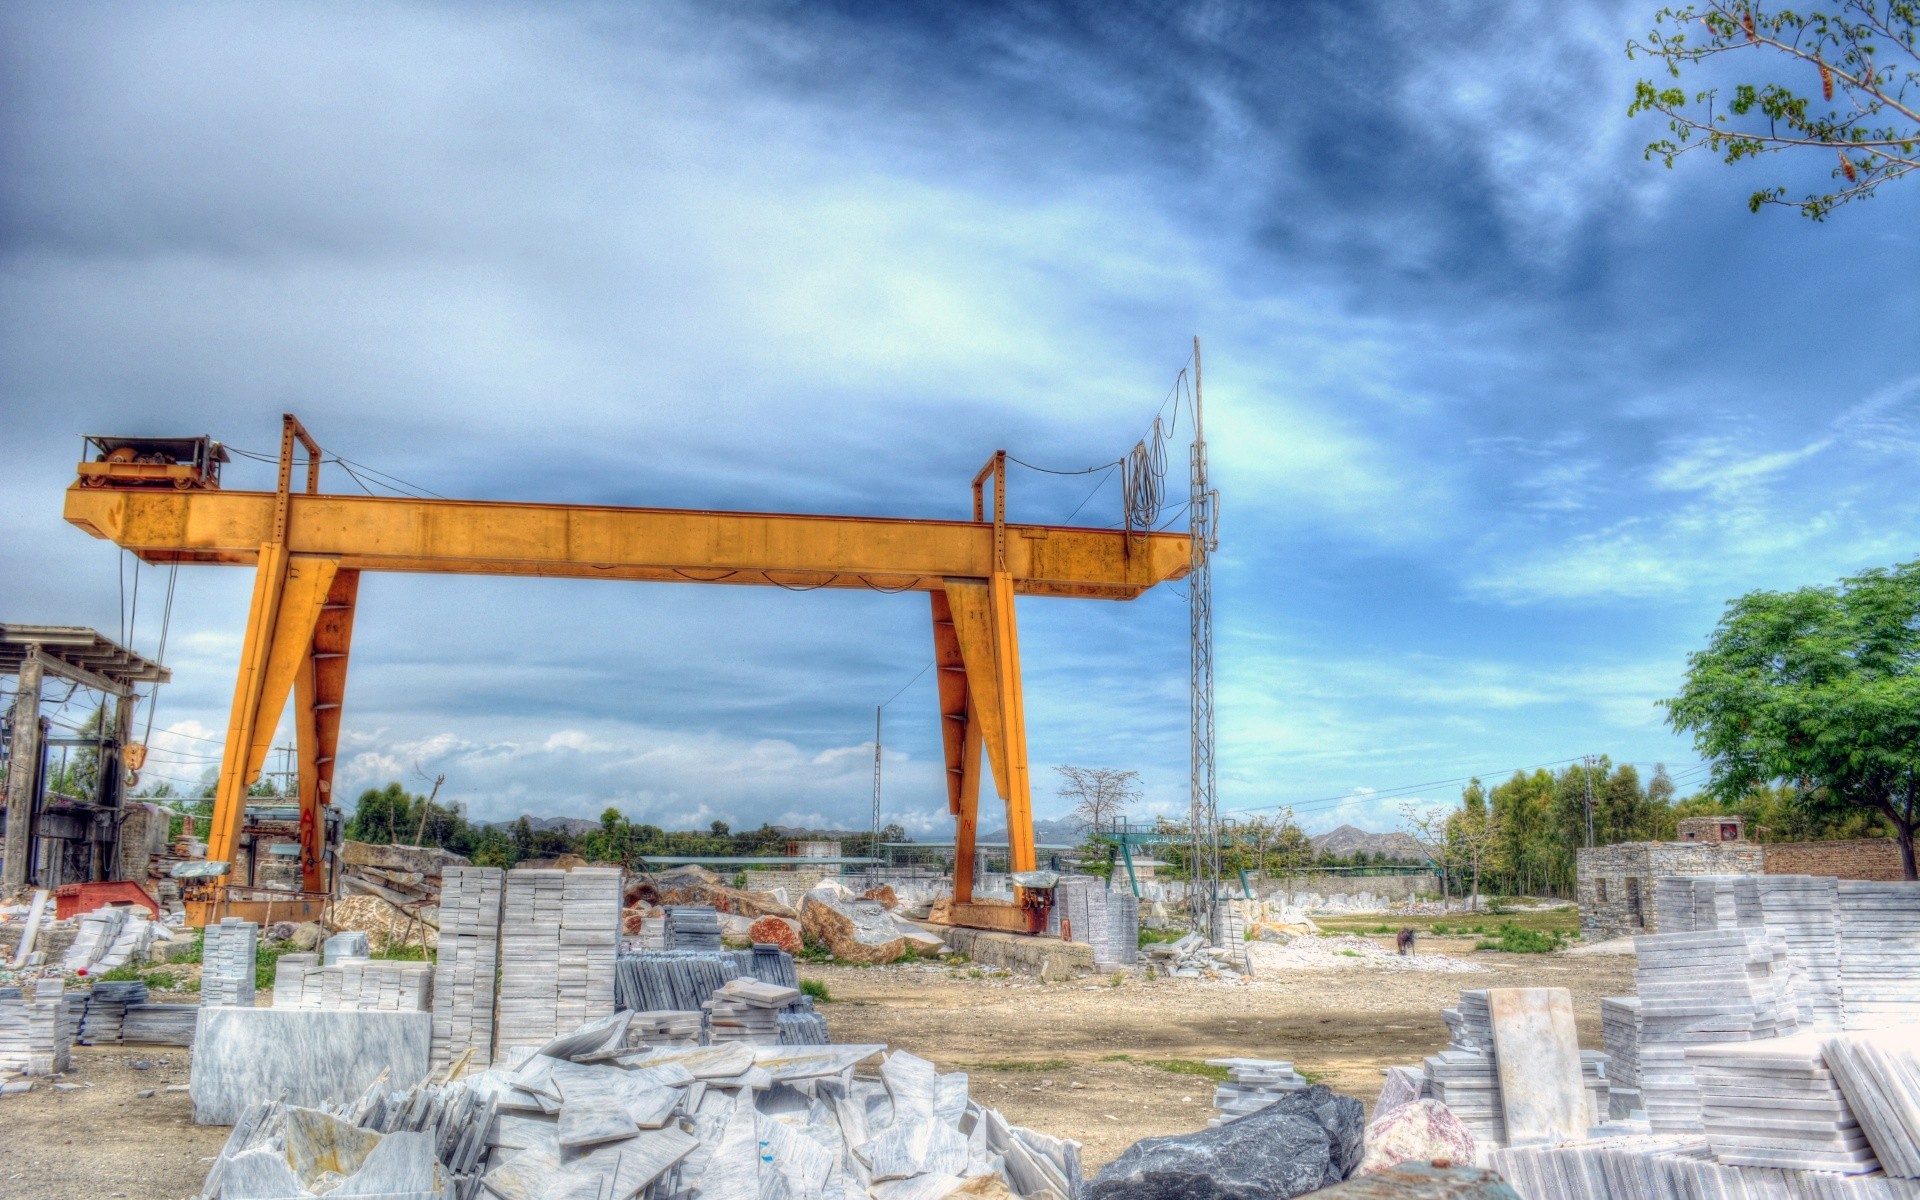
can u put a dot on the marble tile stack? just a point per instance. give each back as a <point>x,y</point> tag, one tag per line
<point>589,943</point>
<point>1251,1085</point>
<point>160,1024</point>
<point>1465,1076</point>
<point>107,1010</point>
<point>1597,1081</point>
<point>1726,901</point>
<point>1673,907</point>
<point>465,971</point>
<point>1804,910</point>
<point>1724,985</point>
<point>1879,1073</point>
<point>1879,953</point>
<point>693,927</point>
<point>227,971</point>
<point>746,1010</point>
<point>341,946</point>
<point>108,938</point>
<point>666,1027</point>
<point>559,938</point>
<point>1774,1103</point>
<point>675,980</point>
<point>32,1038</point>
<point>1080,908</point>
<point>379,985</point>
<point>293,976</point>
<point>1123,926</point>
<point>529,958</point>
<point>1620,1031</point>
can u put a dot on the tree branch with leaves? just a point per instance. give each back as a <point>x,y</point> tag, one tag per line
<point>1101,795</point>
<point>1858,99</point>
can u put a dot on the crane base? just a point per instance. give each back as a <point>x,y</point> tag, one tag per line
<point>988,914</point>
<point>259,906</point>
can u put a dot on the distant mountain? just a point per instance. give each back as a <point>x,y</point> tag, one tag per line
<point>571,826</point>
<point>1348,840</point>
<point>1057,831</point>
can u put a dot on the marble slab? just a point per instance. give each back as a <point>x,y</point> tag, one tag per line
<point>308,1057</point>
<point>1537,1056</point>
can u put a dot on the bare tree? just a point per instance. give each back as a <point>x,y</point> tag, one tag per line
<point>1100,794</point>
<point>1472,834</point>
<point>1428,826</point>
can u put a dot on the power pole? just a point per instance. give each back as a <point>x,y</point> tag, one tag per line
<point>1590,761</point>
<point>1203,800</point>
<point>873,850</point>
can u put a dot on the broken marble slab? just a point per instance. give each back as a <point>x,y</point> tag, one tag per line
<point>1537,1055</point>
<point>305,1056</point>
<point>912,1084</point>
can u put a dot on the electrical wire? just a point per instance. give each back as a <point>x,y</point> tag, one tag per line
<point>160,656</point>
<point>909,683</point>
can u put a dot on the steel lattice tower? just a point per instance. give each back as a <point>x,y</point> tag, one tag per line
<point>1204,803</point>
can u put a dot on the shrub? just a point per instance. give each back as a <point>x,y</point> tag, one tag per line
<point>1514,939</point>
<point>817,988</point>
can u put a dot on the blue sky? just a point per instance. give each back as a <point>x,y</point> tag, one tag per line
<point>1501,413</point>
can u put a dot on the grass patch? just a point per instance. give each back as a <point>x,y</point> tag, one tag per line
<point>1516,939</point>
<point>1565,921</point>
<point>1176,1066</point>
<point>817,988</point>
<point>1149,937</point>
<point>403,952</point>
<point>163,980</point>
<point>1310,1076</point>
<point>1349,953</point>
<point>120,974</point>
<point>1035,1065</point>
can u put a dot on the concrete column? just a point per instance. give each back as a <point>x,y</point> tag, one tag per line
<point>26,759</point>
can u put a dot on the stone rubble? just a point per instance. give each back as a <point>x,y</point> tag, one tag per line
<point>1305,1141</point>
<point>1251,1085</point>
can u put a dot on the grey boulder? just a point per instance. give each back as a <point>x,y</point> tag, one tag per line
<point>1302,1142</point>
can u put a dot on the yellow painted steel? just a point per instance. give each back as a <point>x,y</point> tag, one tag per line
<point>308,548</point>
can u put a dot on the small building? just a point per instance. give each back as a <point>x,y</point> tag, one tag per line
<point>813,849</point>
<point>1616,883</point>
<point>1713,829</point>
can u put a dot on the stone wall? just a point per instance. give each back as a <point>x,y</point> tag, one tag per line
<point>1330,883</point>
<point>1616,882</point>
<point>796,882</point>
<point>1863,858</point>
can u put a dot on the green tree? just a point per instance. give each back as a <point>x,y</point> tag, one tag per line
<point>1818,688</point>
<point>1852,75</point>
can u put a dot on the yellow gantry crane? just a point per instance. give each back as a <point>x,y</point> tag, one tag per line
<point>308,549</point>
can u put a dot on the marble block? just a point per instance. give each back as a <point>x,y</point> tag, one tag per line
<point>1537,1055</point>
<point>306,1057</point>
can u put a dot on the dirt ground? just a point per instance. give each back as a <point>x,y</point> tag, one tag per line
<point>1103,1064</point>
<point>1083,1059</point>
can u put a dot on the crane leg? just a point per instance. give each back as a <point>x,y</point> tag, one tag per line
<point>288,594</point>
<point>987,638</point>
<point>319,689</point>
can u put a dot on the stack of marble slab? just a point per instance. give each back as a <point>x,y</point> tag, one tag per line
<point>33,1039</point>
<point>291,975</point>
<point>1673,906</point>
<point>106,1010</point>
<point>591,900</point>
<point>108,938</point>
<point>1251,1085</point>
<point>227,963</point>
<point>1123,926</point>
<point>1774,1103</point>
<point>351,943</point>
<point>160,1024</point>
<point>1726,901</point>
<point>666,1027</point>
<point>746,1010</point>
<point>1879,953</point>
<point>693,927</point>
<point>1804,909</point>
<point>559,938</point>
<point>384,986</point>
<point>1726,985</point>
<point>1620,1031</point>
<point>1596,1080</point>
<point>1879,1073</point>
<point>1080,913</point>
<point>1230,933</point>
<point>465,969</point>
<point>1464,1076</point>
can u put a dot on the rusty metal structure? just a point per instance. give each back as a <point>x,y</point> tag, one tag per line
<point>308,549</point>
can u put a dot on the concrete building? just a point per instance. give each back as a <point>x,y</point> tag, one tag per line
<point>1616,891</point>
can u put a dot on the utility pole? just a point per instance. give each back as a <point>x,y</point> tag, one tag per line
<point>1203,800</point>
<point>1590,761</point>
<point>873,850</point>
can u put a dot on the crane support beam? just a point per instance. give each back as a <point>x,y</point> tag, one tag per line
<point>319,691</point>
<point>474,537</point>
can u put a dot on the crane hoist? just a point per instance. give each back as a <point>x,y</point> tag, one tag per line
<point>308,549</point>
